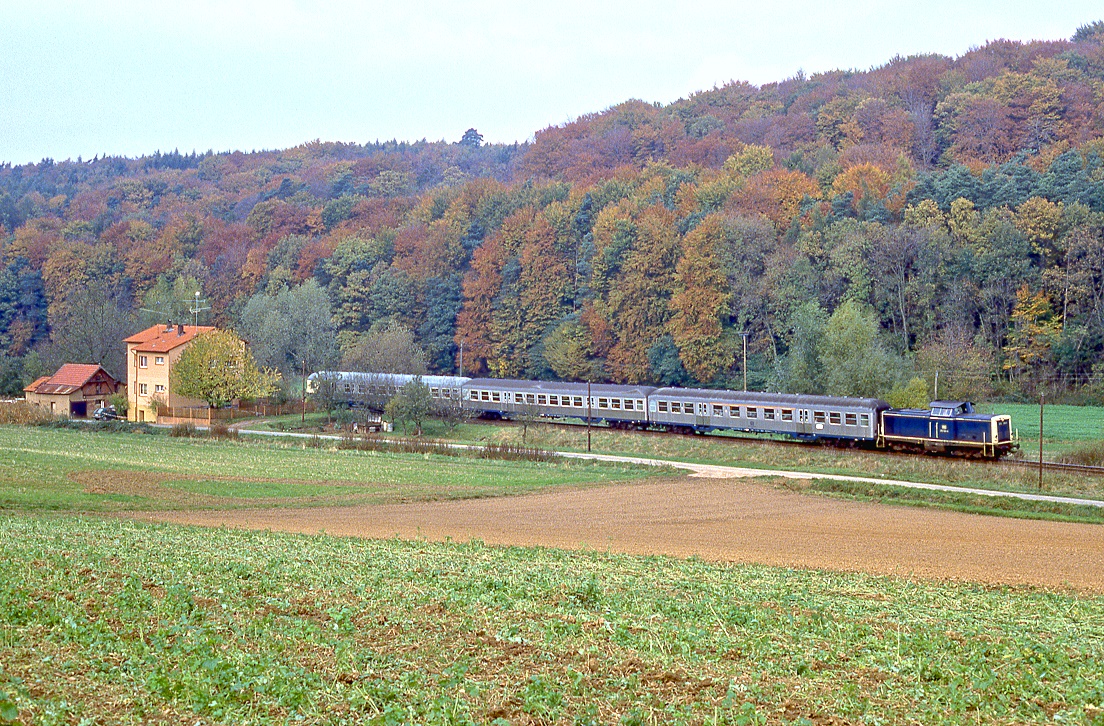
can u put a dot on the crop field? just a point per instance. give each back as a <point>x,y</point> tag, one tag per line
<point>114,621</point>
<point>1064,427</point>
<point>85,471</point>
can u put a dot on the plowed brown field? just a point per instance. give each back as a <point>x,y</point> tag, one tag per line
<point>726,520</point>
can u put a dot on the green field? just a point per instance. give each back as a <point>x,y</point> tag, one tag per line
<point>1064,427</point>
<point>43,468</point>
<point>121,622</point>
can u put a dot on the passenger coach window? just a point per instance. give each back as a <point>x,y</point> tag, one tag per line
<point>676,407</point>
<point>819,417</point>
<point>615,403</point>
<point>864,419</point>
<point>542,400</point>
<point>485,395</point>
<point>603,403</point>
<point>787,414</point>
<point>752,412</point>
<point>554,400</point>
<point>496,396</point>
<point>734,411</point>
<point>578,402</point>
<point>850,419</point>
<point>718,410</point>
<point>663,406</point>
<point>768,413</point>
<point>835,419</point>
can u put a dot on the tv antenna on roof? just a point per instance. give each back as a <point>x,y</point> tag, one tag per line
<point>198,306</point>
<point>161,312</point>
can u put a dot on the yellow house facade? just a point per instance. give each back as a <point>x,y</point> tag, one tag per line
<point>151,355</point>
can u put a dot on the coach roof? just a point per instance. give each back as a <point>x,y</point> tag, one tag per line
<point>767,399</point>
<point>561,387</point>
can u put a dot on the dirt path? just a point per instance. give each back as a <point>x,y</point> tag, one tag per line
<point>726,520</point>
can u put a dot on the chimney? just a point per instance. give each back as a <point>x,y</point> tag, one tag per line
<point>168,327</point>
<point>180,329</point>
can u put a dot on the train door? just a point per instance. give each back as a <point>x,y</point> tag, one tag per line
<point>804,421</point>
<point>701,414</point>
<point>941,428</point>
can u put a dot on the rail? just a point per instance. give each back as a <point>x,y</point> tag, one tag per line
<point>1054,466</point>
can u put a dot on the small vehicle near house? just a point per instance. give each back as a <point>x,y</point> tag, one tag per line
<point>105,413</point>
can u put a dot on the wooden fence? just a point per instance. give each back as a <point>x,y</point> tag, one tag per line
<point>253,409</point>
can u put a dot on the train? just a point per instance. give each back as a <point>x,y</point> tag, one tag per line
<point>945,427</point>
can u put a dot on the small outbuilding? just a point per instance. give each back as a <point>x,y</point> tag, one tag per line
<point>75,390</point>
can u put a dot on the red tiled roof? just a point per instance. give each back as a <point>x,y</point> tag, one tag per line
<point>38,382</point>
<point>70,377</point>
<point>162,339</point>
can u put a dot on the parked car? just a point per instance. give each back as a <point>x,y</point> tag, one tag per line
<point>105,413</point>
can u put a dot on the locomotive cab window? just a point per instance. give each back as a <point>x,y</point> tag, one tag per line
<point>834,418</point>
<point>851,419</point>
<point>819,417</point>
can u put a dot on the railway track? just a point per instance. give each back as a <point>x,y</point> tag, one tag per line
<point>1054,466</point>
<point>737,438</point>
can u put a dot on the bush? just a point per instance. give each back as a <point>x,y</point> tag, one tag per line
<point>222,431</point>
<point>105,427</point>
<point>23,414</point>
<point>184,429</point>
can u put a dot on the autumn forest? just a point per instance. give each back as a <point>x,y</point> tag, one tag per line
<point>861,230</point>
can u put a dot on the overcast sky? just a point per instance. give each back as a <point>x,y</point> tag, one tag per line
<point>134,76</point>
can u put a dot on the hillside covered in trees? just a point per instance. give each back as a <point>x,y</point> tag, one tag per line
<point>862,229</point>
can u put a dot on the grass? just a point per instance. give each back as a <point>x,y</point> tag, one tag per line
<point>121,622</point>
<point>730,450</point>
<point>1064,427</point>
<point>78,470</point>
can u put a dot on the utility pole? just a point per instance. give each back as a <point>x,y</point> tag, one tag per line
<point>303,408</point>
<point>461,359</point>
<point>744,336</point>
<point>937,384</point>
<point>1040,440</point>
<point>588,417</point>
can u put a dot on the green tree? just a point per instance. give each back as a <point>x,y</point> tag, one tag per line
<point>218,368</point>
<point>853,357</point>
<point>411,406</point>
<point>801,367</point>
<point>567,350</point>
<point>390,348</point>
<point>291,331</point>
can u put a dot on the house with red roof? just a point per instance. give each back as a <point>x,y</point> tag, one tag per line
<point>151,355</point>
<point>75,390</point>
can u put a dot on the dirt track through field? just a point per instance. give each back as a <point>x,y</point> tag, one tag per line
<point>726,520</point>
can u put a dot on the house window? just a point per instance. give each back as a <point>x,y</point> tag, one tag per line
<point>159,360</point>
<point>143,361</point>
<point>143,389</point>
<point>158,388</point>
